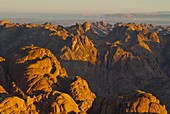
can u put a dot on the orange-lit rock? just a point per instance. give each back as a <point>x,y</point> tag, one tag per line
<point>64,104</point>
<point>110,60</point>
<point>81,49</point>
<point>86,26</point>
<point>132,102</point>
<point>14,104</point>
<point>2,59</point>
<point>5,21</point>
<point>40,69</point>
<point>82,94</point>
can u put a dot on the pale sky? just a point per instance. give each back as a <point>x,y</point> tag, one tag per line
<point>84,6</point>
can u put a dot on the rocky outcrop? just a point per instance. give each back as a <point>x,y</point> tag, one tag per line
<point>86,26</point>
<point>63,104</point>
<point>133,102</point>
<point>112,59</point>
<point>102,28</point>
<point>3,22</point>
<point>39,69</point>
<point>82,94</point>
<point>34,88</point>
<point>162,92</point>
<point>14,104</point>
<point>81,49</point>
<point>2,59</point>
<point>145,103</point>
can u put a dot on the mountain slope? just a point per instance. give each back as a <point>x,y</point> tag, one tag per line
<point>115,60</point>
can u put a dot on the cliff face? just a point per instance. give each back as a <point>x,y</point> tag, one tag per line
<point>115,60</point>
<point>34,80</point>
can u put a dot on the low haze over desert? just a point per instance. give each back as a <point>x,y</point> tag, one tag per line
<point>84,57</point>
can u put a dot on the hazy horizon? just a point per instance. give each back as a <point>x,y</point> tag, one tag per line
<point>83,6</point>
<point>69,12</point>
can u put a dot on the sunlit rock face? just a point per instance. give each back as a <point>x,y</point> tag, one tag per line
<point>5,21</point>
<point>101,28</point>
<point>81,49</point>
<point>13,104</point>
<point>144,102</point>
<point>86,26</point>
<point>127,103</point>
<point>39,69</point>
<point>82,94</point>
<point>35,75</point>
<point>84,68</point>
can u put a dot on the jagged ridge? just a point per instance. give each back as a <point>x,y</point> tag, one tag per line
<point>113,59</point>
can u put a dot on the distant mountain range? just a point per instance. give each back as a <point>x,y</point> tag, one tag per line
<point>141,15</point>
<point>159,18</point>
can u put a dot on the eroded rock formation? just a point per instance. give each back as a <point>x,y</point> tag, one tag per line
<point>36,84</point>
<point>132,102</point>
<point>111,61</point>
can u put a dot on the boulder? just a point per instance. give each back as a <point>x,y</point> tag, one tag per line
<point>82,94</point>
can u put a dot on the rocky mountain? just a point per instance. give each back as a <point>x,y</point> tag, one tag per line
<point>94,68</point>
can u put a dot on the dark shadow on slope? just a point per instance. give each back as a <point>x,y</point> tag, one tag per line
<point>103,81</point>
